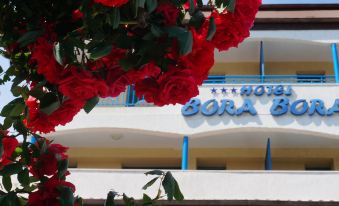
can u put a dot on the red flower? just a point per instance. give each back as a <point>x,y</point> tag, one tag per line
<point>81,84</point>
<point>174,86</point>
<point>233,28</point>
<point>65,113</point>
<point>187,4</point>
<point>111,3</point>
<point>201,59</point>
<point>9,145</point>
<point>42,53</point>
<point>48,193</point>
<point>170,13</point>
<point>177,86</point>
<point>47,163</point>
<point>36,120</point>
<point>77,14</point>
<point>149,89</point>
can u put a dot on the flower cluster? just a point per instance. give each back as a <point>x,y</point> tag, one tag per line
<point>41,170</point>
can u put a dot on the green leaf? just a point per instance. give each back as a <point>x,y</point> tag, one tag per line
<point>155,172</point>
<point>7,123</point>
<point>23,177</point>
<point>141,3</point>
<point>29,37</point>
<point>1,148</point>
<point>150,183</point>
<point>17,110</point>
<point>230,5</point>
<point>169,185</point>
<point>211,29</point>
<point>157,31</point>
<point>129,201</point>
<point>100,51</point>
<point>184,37</point>
<point>7,182</point>
<point>110,199</point>
<point>59,53</point>
<point>197,19</point>
<point>90,104</point>
<point>49,103</point>
<point>115,18</point>
<point>10,199</point>
<point>177,193</point>
<point>66,196</point>
<point>62,167</point>
<point>37,92</point>
<point>151,5</point>
<point>146,200</point>
<point>11,169</point>
<point>192,7</point>
<point>7,110</point>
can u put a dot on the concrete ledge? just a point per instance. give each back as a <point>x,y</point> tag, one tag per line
<point>216,185</point>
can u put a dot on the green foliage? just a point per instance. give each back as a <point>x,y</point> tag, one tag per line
<point>90,104</point>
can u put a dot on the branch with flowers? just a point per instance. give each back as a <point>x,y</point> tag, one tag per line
<point>65,55</point>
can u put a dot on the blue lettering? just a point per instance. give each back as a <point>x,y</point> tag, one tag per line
<point>207,109</point>
<point>333,109</point>
<point>280,106</point>
<point>299,107</point>
<point>317,106</point>
<point>247,107</point>
<point>259,90</point>
<point>288,91</point>
<point>191,108</point>
<point>278,90</point>
<point>246,90</point>
<point>270,90</point>
<point>228,106</point>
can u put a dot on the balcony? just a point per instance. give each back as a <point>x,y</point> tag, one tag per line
<point>129,98</point>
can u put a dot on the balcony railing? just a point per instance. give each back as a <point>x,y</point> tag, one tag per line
<point>129,98</point>
<point>271,79</point>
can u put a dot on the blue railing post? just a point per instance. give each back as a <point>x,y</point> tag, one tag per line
<point>184,160</point>
<point>335,62</point>
<point>262,62</point>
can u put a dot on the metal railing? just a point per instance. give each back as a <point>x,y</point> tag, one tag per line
<point>271,79</point>
<point>129,98</point>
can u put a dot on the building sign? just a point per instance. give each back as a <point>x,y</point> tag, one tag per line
<point>280,105</point>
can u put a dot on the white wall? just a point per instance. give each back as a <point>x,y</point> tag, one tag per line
<point>169,119</point>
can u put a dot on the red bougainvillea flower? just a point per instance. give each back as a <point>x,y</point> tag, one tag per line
<point>38,121</point>
<point>175,86</point>
<point>201,59</point>
<point>149,89</point>
<point>170,13</point>
<point>48,193</point>
<point>233,28</point>
<point>65,113</point>
<point>80,84</point>
<point>47,163</point>
<point>42,53</point>
<point>77,14</point>
<point>111,3</point>
<point>9,144</point>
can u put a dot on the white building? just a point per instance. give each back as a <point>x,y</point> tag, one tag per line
<point>119,140</point>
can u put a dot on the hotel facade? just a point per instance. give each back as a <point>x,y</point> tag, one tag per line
<point>281,84</point>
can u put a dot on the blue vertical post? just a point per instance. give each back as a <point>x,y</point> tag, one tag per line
<point>262,62</point>
<point>335,62</point>
<point>268,158</point>
<point>184,160</point>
